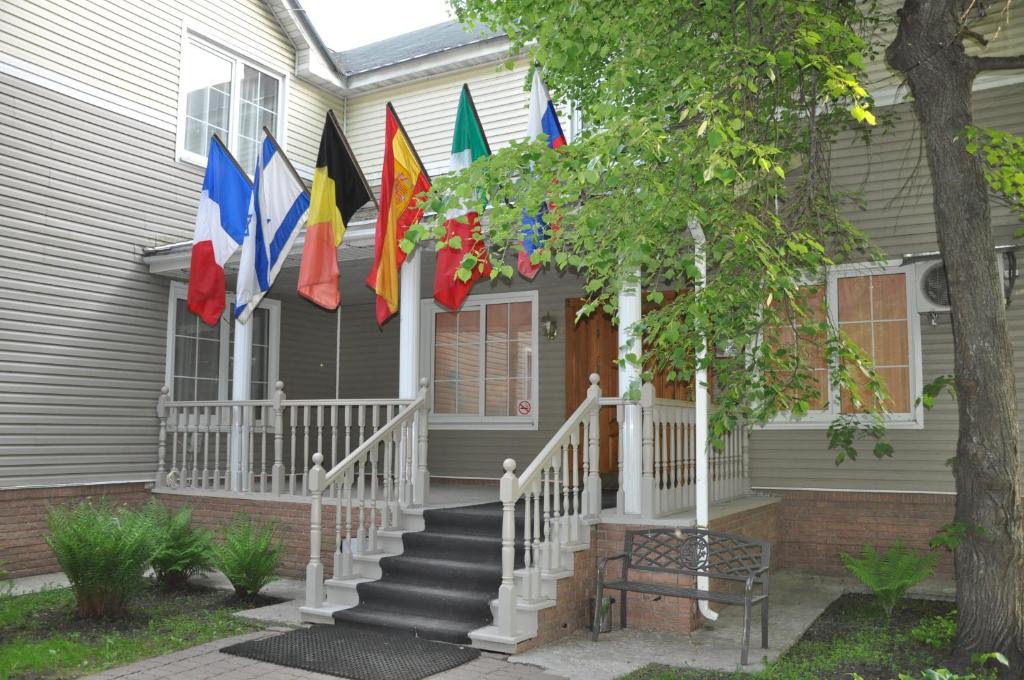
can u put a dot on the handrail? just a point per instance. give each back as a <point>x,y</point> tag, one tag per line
<point>218,403</point>
<point>386,430</point>
<point>369,487</point>
<point>574,420</point>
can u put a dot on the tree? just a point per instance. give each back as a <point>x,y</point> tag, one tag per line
<point>929,51</point>
<point>724,111</point>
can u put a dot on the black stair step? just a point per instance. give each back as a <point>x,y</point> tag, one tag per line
<point>455,631</point>
<point>426,600</point>
<point>468,547</point>
<point>451,573</point>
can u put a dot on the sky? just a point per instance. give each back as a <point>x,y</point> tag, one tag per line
<point>344,24</point>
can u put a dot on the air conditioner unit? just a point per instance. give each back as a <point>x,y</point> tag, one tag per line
<point>932,291</point>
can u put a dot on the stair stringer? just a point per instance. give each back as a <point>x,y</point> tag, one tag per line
<point>528,612</point>
<point>342,594</point>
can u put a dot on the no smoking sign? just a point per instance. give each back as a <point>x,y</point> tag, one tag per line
<point>524,407</point>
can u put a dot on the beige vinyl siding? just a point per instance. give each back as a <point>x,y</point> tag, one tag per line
<point>427,110</point>
<point>88,179</point>
<point>1003,31</point>
<point>891,174</point>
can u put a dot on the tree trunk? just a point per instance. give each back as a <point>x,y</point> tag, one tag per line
<point>990,561</point>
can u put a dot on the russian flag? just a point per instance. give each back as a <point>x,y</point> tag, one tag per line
<point>220,228</point>
<point>277,212</point>
<point>543,121</point>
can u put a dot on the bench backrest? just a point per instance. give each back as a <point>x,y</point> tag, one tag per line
<point>696,552</point>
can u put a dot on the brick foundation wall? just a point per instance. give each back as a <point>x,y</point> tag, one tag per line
<point>291,517</point>
<point>818,525</point>
<point>23,529</point>
<point>572,611</point>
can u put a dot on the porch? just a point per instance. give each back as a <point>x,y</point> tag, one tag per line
<point>368,472</point>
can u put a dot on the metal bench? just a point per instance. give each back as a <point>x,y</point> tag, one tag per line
<point>692,552</point>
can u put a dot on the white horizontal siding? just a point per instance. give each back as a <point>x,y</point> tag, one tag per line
<point>427,109</point>
<point>88,179</point>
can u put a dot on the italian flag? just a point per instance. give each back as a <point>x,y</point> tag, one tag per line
<point>462,228</point>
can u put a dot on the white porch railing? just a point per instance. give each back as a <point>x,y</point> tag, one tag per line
<point>275,439</point>
<point>370,485</point>
<point>561,488</point>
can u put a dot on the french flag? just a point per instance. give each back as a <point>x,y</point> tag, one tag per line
<point>543,121</point>
<point>220,228</point>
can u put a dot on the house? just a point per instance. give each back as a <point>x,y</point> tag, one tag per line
<point>111,388</point>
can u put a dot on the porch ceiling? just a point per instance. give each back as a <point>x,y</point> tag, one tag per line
<point>173,260</point>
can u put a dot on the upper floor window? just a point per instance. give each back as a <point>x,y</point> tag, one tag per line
<point>875,307</point>
<point>224,95</point>
<point>483,362</point>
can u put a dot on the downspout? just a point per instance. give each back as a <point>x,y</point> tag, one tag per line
<point>700,399</point>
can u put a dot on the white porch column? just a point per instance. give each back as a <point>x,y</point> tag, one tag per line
<point>700,407</point>
<point>409,327</point>
<point>629,377</point>
<point>241,376</point>
<point>409,378</point>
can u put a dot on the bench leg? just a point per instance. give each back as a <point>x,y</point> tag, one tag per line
<point>764,624</point>
<point>622,610</point>
<point>746,632</point>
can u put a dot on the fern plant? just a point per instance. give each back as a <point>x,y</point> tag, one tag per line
<point>181,550</point>
<point>248,556</point>
<point>103,552</point>
<point>891,573</point>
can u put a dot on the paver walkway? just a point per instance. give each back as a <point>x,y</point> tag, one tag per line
<point>205,662</point>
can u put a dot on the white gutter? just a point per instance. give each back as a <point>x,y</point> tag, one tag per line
<point>701,413</point>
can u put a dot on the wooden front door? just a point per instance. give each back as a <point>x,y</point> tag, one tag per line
<point>592,346</point>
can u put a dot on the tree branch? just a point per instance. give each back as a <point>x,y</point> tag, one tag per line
<point>997,63</point>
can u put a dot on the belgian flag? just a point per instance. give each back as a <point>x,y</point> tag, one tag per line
<point>339,190</point>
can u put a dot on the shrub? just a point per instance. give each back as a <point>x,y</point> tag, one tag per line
<point>180,550</point>
<point>936,631</point>
<point>248,556</point>
<point>103,552</point>
<point>889,574</point>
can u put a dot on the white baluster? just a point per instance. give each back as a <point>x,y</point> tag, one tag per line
<point>205,474</point>
<point>195,425</point>
<point>161,446</point>
<point>218,412</point>
<point>277,472</point>
<point>263,447</point>
<point>421,488</point>
<point>536,491</point>
<point>557,535</point>
<point>647,448</point>
<point>346,563</point>
<point>594,448</point>
<point>293,426</point>
<point>528,545</point>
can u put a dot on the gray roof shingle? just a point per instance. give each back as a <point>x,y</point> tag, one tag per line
<point>425,41</point>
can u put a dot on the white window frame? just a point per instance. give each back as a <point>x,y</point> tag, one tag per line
<point>914,420</point>
<point>192,35</point>
<point>445,421</point>
<point>179,291</point>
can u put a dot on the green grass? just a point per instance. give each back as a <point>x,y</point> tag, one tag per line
<point>41,637</point>
<point>856,639</point>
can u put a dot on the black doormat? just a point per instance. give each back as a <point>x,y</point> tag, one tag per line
<point>356,652</point>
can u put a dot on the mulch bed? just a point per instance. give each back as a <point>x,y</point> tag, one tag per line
<point>152,602</point>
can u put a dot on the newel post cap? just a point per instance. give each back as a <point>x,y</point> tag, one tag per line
<point>509,491</point>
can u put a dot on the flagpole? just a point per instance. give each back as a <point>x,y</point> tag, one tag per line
<point>337,353</point>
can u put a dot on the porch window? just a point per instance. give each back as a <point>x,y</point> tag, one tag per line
<point>223,94</point>
<point>483,362</point>
<point>200,357</point>
<point>875,307</point>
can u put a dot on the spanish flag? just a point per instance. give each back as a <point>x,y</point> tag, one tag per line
<point>339,190</point>
<point>402,180</point>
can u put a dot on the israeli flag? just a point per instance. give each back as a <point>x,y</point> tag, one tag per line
<point>277,212</point>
